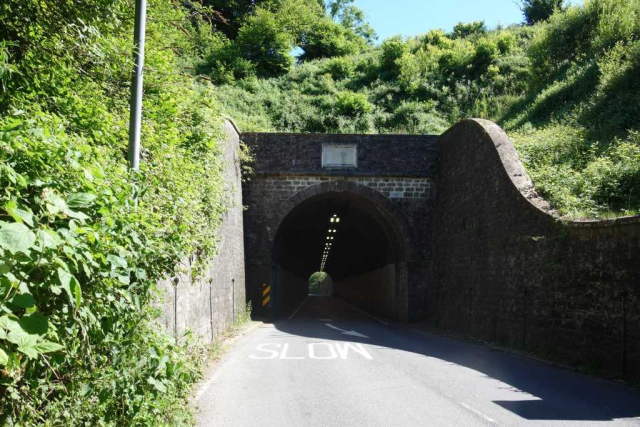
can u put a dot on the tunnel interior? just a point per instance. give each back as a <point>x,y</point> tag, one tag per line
<point>345,235</point>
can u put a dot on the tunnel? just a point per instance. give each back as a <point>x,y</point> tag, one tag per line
<point>351,237</point>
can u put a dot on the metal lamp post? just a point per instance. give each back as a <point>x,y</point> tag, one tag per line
<point>136,85</point>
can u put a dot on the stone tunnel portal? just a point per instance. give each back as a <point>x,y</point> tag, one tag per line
<point>352,238</point>
<point>381,185</point>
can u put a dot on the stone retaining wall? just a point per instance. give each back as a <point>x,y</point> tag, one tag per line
<point>505,269</point>
<point>208,306</point>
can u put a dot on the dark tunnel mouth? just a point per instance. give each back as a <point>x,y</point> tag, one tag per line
<point>363,258</point>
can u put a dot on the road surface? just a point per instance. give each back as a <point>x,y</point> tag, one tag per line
<point>332,366</point>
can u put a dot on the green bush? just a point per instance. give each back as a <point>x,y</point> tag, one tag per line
<point>463,30</point>
<point>416,118</point>
<point>325,39</point>
<point>339,68</point>
<point>352,104</point>
<point>263,42</point>
<point>505,42</point>
<point>579,176</point>
<point>392,50</point>
<point>436,38</point>
<point>539,10</point>
<point>83,240</point>
<point>564,39</point>
<point>486,53</point>
<point>566,89</point>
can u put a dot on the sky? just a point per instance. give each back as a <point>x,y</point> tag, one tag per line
<point>412,17</point>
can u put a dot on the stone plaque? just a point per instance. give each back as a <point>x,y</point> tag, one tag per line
<point>339,156</point>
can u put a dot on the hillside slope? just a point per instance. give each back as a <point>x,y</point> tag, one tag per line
<point>566,91</point>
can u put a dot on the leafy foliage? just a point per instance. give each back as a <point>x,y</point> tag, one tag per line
<point>351,18</point>
<point>316,280</point>
<point>463,30</point>
<point>565,89</point>
<point>257,37</point>
<point>82,239</point>
<point>535,11</point>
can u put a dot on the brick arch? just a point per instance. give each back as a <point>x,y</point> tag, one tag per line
<point>390,214</point>
<point>391,219</point>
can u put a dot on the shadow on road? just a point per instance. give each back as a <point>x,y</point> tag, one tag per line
<point>556,393</point>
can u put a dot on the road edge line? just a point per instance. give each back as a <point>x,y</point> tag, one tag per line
<point>365,313</point>
<point>227,344</point>
<point>299,307</point>
<point>478,413</point>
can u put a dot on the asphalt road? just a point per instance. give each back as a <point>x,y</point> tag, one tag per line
<point>332,366</point>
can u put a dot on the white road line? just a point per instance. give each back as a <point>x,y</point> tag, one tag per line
<point>478,413</point>
<point>213,378</point>
<point>344,332</point>
<point>216,375</point>
<point>298,309</point>
<point>366,314</point>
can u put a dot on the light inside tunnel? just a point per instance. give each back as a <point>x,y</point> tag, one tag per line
<point>362,263</point>
<point>325,254</point>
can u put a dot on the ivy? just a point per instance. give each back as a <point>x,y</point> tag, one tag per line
<point>83,240</point>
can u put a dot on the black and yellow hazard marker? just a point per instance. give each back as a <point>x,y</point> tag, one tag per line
<point>266,297</point>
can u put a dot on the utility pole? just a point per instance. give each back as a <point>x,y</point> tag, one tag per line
<point>136,85</point>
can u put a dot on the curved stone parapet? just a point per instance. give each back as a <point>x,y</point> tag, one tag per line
<point>517,174</point>
<point>506,268</point>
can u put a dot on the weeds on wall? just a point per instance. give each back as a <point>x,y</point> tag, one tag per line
<point>79,258</point>
<point>216,348</point>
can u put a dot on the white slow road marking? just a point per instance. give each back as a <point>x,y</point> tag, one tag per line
<point>283,355</point>
<point>316,350</point>
<point>298,309</point>
<point>272,353</point>
<point>344,332</point>
<point>478,413</point>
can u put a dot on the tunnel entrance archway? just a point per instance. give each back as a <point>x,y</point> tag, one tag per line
<point>368,250</point>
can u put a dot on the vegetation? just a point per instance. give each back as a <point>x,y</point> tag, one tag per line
<point>316,280</point>
<point>256,37</point>
<point>540,10</point>
<point>83,240</point>
<point>564,90</point>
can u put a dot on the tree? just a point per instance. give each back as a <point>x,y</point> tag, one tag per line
<point>230,14</point>
<point>352,18</point>
<point>263,41</point>
<point>259,35</point>
<point>393,49</point>
<point>539,10</point>
<point>462,30</point>
<point>326,39</point>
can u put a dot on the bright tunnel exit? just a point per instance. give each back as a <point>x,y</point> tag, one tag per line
<point>320,284</point>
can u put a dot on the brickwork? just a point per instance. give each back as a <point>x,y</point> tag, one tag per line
<point>504,269</point>
<point>283,187</point>
<point>478,251</point>
<point>396,171</point>
<point>378,155</point>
